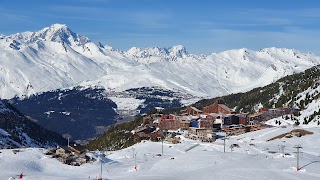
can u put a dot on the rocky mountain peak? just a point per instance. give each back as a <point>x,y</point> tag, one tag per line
<point>179,51</point>
<point>58,33</point>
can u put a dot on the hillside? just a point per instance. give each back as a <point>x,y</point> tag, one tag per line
<point>78,113</point>
<point>17,131</point>
<point>117,136</point>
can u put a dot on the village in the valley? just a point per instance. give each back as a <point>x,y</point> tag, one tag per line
<point>206,125</point>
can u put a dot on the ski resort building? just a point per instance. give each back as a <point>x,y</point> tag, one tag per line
<point>217,108</point>
<point>268,114</point>
<point>203,124</point>
<point>192,111</point>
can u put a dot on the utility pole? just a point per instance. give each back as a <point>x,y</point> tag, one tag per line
<point>100,178</point>
<point>298,147</point>
<point>162,148</point>
<point>224,144</point>
<point>162,138</point>
<point>162,142</point>
<point>101,169</point>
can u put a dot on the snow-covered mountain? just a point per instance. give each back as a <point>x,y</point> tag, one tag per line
<point>55,57</point>
<point>157,54</point>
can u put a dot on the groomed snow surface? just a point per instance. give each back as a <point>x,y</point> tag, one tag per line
<point>255,158</point>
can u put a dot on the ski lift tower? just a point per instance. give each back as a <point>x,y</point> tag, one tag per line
<point>298,147</point>
<point>100,178</point>
<point>162,138</point>
<point>224,142</point>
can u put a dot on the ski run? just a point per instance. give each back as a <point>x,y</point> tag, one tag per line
<point>252,157</point>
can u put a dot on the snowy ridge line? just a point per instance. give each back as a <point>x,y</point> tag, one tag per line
<point>56,58</point>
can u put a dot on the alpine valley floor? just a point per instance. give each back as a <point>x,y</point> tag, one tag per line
<point>255,158</point>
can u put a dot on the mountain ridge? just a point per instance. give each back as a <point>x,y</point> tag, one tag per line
<point>56,57</point>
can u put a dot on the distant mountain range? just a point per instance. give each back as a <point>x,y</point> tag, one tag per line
<point>56,57</point>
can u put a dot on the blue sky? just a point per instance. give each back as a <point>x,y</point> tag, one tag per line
<point>203,26</point>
